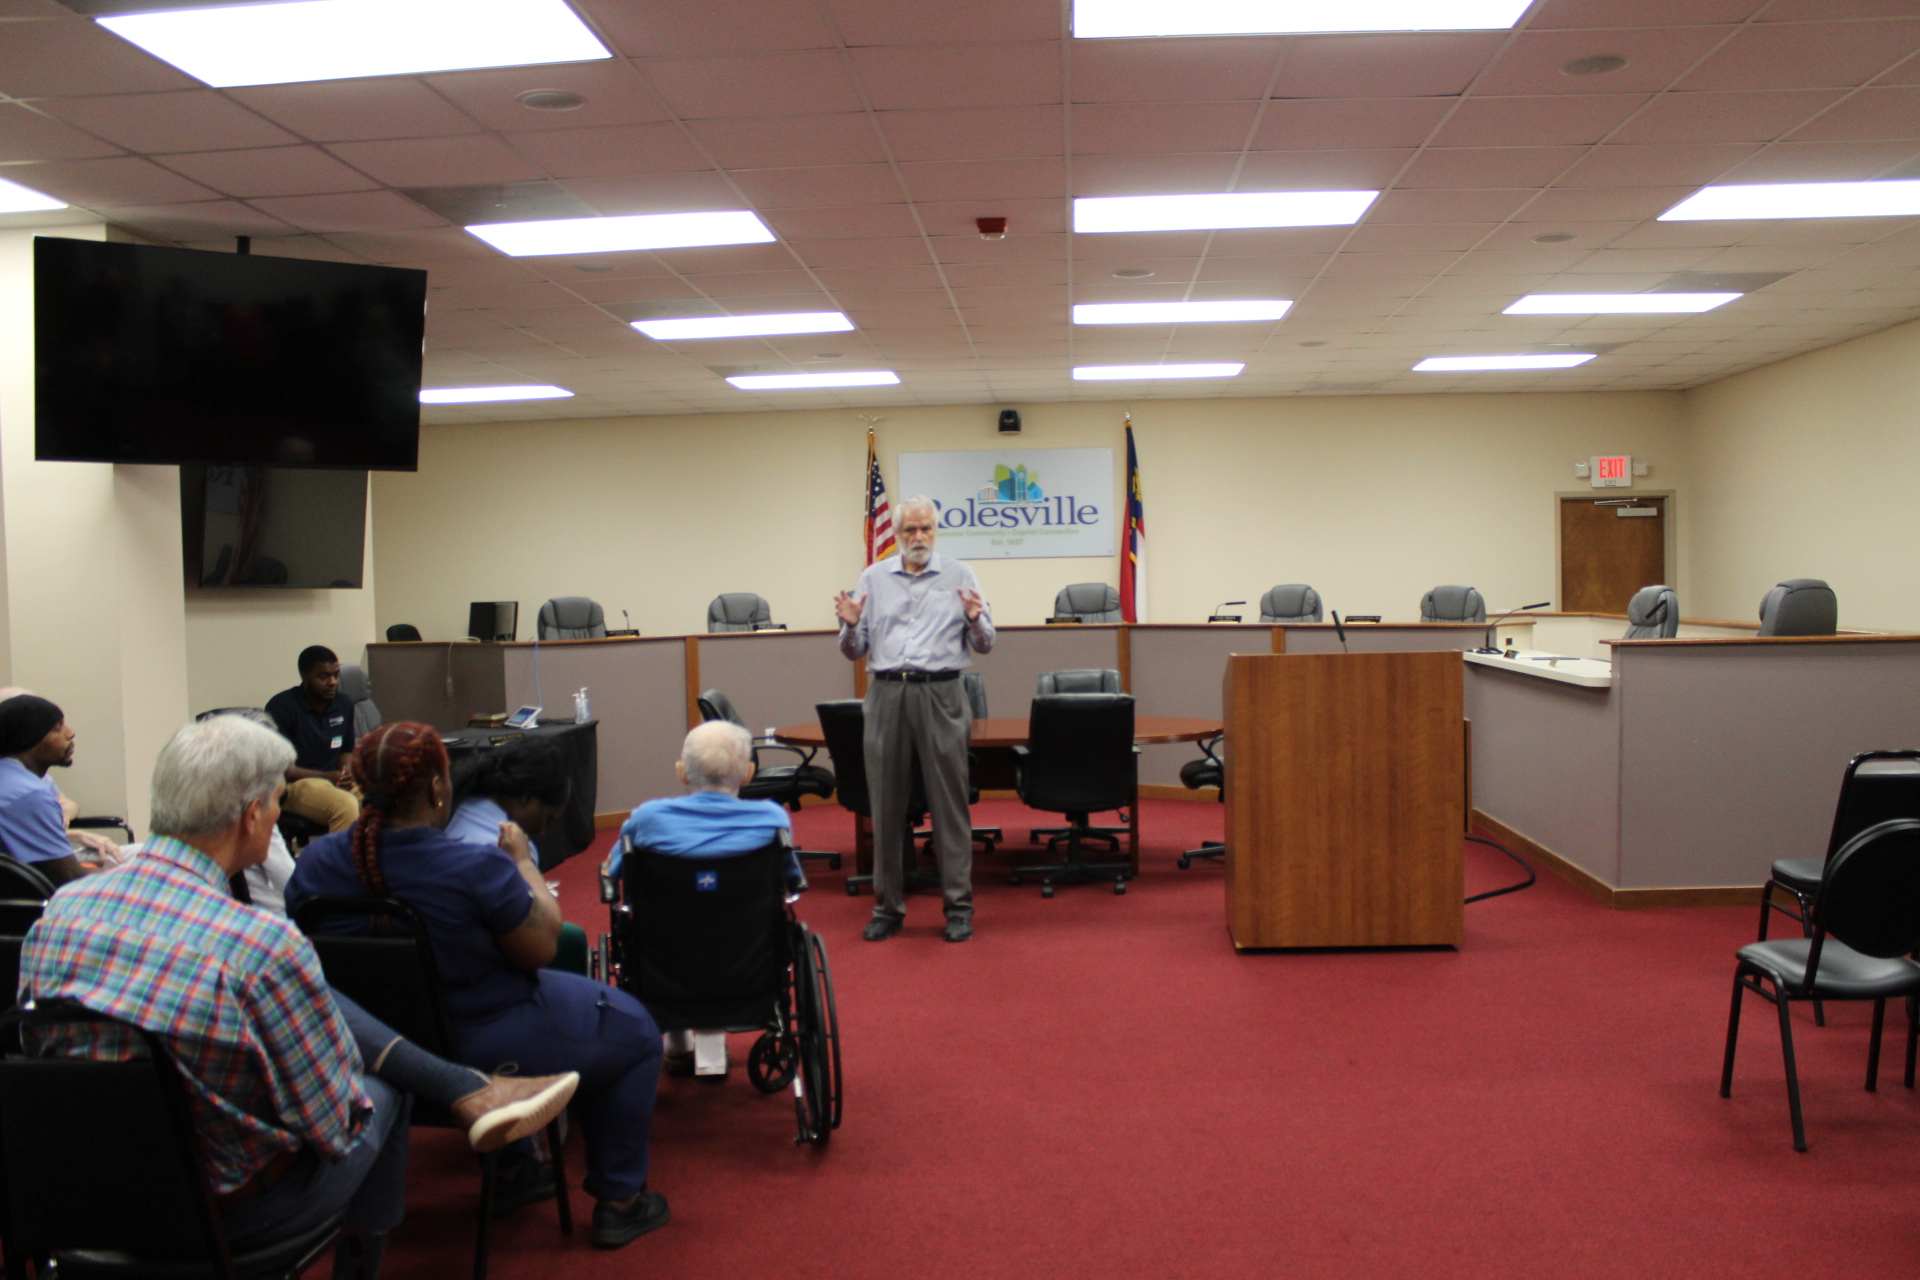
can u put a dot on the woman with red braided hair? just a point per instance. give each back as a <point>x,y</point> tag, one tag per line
<point>493,925</point>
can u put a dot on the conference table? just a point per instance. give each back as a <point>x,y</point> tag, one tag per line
<point>995,737</point>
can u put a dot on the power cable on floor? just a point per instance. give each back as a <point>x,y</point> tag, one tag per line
<point>1512,888</point>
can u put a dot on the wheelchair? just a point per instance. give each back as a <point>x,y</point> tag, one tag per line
<point>712,944</point>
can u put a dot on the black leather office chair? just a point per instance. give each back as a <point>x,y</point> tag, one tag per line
<point>1088,602</point>
<point>1453,604</point>
<point>1079,760</point>
<point>1865,926</point>
<point>1207,771</point>
<point>1079,680</point>
<point>784,783</point>
<point>1800,607</point>
<point>1293,602</point>
<point>572,618</point>
<point>356,684</point>
<point>75,1127</point>
<point>402,631</point>
<point>392,975</point>
<point>1653,614</point>
<point>739,611</point>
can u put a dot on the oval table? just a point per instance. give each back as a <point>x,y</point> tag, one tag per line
<point>1011,731</point>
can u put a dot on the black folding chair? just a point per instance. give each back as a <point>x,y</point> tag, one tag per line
<point>1865,924</point>
<point>390,972</point>
<point>104,1172</point>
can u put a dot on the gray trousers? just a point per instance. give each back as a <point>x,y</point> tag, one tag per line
<point>933,722</point>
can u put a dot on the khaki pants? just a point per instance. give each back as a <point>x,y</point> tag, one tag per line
<point>318,800</point>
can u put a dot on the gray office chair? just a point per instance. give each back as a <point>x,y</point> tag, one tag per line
<point>1079,680</point>
<point>400,631</point>
<point>1294,602</point>
<point>356,684</point>
<point>738,611</point>
<point>975,685</point>
<point>1800,607</point>
<point>1088,602</point>
<point>1453,604</point>
<point>1653,614</point>
<point>572,618</point>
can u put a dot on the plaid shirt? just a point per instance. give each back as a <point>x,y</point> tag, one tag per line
<point>236,993</point>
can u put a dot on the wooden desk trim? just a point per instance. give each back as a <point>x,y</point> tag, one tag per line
<point>1845,637</point>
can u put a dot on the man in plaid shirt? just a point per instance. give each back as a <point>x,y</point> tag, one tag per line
<point>293,1133</point>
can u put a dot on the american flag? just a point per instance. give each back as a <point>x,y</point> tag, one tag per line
<point>879,520</point>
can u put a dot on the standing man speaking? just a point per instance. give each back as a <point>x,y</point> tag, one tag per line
<point>913,617</point>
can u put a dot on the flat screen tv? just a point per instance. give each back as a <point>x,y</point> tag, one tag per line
<point>158,355</point>
<point>273,526</point>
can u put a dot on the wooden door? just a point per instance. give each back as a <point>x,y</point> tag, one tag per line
<point>1605,557</point>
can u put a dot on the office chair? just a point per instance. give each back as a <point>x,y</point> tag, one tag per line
<point>1079,680</point>
<point>358,685</point>
<point>1294,602</point>
<point>1088,602</point>
<point>1653,614</point>
<point>739,611</point>
<point>781,783</point>
<point>572,618</point>
<point>1865,926</point>
<point>402,631</point>
<point>1800,607</point>
<point>1079,759</point>
<point>975,686</point>
<point>1453,604</point>
<point>1208,771</point>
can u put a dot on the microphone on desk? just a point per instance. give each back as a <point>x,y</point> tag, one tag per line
<point>1217,616</point>
<point>625,621</point>
<point>1340,631</point>
<point>1493,626</point>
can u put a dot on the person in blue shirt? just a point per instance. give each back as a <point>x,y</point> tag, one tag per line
<point>318,720</point>
<point>526,783</point>
<point>711,820</point>
<point>35,739</point>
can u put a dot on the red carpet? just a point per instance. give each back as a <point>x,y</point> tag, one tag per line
<point>1098,1086</point>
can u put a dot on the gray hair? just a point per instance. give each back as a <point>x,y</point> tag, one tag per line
<point>716,756</point>
<point>211,770</point>
<point>920,502</point>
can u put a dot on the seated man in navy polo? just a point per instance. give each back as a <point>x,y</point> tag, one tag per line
<point>318,720</point>
<point>34,739</point>
<point>710,821</point>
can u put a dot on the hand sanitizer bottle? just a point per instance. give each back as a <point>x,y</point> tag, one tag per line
<point>582,709</point>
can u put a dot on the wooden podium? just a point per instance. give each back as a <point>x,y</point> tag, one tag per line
<point>1345,778</point>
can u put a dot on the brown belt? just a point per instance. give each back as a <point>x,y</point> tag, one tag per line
<point>275,1170</point>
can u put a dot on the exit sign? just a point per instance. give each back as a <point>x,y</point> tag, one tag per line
<point>1612,473</point>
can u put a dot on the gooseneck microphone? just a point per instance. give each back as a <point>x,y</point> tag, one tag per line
<point>1340,631</point>
<point>1218,616</point>
<point>1490,646</point>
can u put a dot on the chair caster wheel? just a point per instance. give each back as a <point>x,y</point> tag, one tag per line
<point>1119,887</point>
<point>1185,862</point>
<point>1046,891</point>
<point>1013,880</point>
<point>853,891</point>
<point>833,863</point>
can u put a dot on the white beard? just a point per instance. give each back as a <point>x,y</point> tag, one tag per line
<point>918,556</point>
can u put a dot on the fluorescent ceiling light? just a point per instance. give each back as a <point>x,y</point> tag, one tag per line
<point>1178,312</point>
<point>617,235</point>
<point>481,395</point>
<point>1800,200</point>
<point>15,198</point>
<point>1469,364</point>
<point>1146,372</point>
<point>744,326</point>
<point>232,45</point>
<point>1616,304</point>
<point>1110,19</point>
<point>1221,212</point>
<point>792,381</point>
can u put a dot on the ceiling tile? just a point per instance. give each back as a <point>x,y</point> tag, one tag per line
<point>1152,175</point>
<point>609,151</point>
<point>926,77</point>
<point>532,293</point>
<point>1172,70</point>
<point>1476,167</point>
<point>1271,241</point>
<point>417,247</point>
<point>695,30</point>
<point>1432,237</point>
<point>102,184</point>
<point>1542,121</point>
<point>1446,206</point>
<point>1725,117</point>
<point>1313,124</point>
<point>1384,66</point>
<point>727,258</point>
<point>656,193</point>
<point>354,110</point>
<point>975,133</point>
<point>993,180</point>
<point>866,22</point>
<point>1823,162</point>
<point>1293,266</point>
<point>198,120</point>
<point>202,220</point>
<point>360,211</point>
<point>810,82</point>
<point>1644,13</point>
<point>1892,113</point>
<point>995,275</point>
<point>434,162</point>
<point>826,187</point>
<point>1321,170</point>
<point>1806,55</point>
<point>71,56</point>
<point>1654,58</point>
<point>893,300</point>
<point>1625,166</point>
<point>615,93</point>
<point>1601,204</point>
<point>854,223</point>
<point>925,276</point>
<point>769,142</point>
<point>895,251</point>
<point>1136,128</point>
<point>956,217</point>
<point>1020,245</point>
<point>270,171</point>
<point>25,134</point>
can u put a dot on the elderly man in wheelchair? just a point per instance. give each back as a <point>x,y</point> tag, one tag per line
<point>702,931</point>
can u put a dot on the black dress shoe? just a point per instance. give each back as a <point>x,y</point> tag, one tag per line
<point>519,1183</point>
<point>959,929</point>
<point>614,1227</point>
<point>880,928</point>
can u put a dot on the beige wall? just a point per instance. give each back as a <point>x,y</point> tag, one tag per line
<point>1371,499</point>
<point>1805,469</point>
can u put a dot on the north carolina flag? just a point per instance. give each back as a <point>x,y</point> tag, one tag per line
<point>1133,554</point>
<point>879,519</point>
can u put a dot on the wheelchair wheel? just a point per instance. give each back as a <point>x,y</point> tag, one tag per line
<point>816,1088</point>
<point>772,1062</point>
